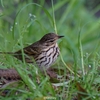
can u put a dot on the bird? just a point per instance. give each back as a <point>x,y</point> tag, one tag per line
<point>43,52</point>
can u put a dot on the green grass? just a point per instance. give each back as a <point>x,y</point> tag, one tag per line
<point>26,22</point>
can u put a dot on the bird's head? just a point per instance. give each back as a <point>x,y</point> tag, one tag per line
<point>50,39</point>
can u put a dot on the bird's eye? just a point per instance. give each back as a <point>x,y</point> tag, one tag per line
<point>50,40</point>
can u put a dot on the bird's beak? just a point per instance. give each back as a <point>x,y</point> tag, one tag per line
<point>60,37</point>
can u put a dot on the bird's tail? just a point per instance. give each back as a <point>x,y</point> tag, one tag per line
<point>7,53</point>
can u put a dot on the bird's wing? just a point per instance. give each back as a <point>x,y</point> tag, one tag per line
<point>32,50</point>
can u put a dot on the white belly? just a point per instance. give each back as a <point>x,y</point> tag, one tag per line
<point>48,57</point>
